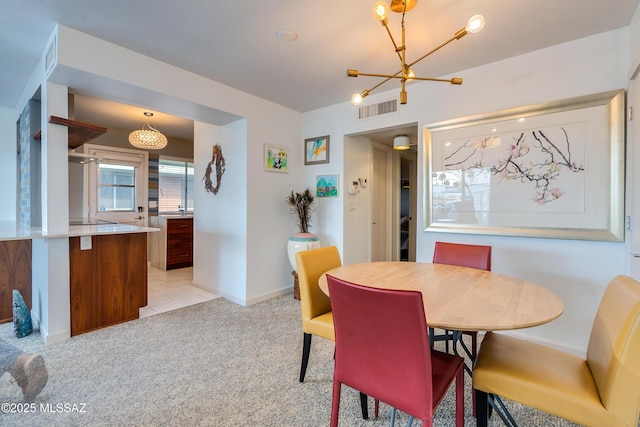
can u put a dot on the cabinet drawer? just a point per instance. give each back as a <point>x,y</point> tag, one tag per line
<point>179,246</point>
<point>179,226</point>
<point>179,259</point>
<point>179,253</point>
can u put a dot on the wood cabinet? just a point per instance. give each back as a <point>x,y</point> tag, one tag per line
<point>172,246</point>
<point>108,283</point>
<point>15,273</point>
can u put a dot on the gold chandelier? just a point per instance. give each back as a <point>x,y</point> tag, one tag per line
<point>405,74</point>
<point>148,138</point>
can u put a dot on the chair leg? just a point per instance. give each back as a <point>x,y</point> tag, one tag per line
<point>474,349</point>
<point>474,353</point>
<point>460,398</point>
<point>393,416</point>
<point>306,349</point>
<point>335,403</point>
<point>482,408</point>
<point>364,405</point>
<point>431,338</point>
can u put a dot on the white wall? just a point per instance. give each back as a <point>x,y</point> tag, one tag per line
<point>257,225</point>
<point>269,223</point>
<point>51,304</point>
<point>357,214</point>
<point>633,149</point>
<point>220,220</point>
<point>634,38</point>
<point>8,160</point>
<point>577,271</point>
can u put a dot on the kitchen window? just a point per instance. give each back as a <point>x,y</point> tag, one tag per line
<point>116,187</point>
<point>175,186</point>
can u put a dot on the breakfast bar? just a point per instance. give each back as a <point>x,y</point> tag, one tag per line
<point>106,274</point>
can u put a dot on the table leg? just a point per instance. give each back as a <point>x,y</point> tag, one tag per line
<point>494,401</point>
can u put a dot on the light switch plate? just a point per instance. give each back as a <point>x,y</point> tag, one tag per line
<point>85,243</point>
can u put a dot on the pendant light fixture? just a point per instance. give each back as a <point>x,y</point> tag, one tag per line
<point>148,138</point>
<point>401,142</point>
<point>405,74</point>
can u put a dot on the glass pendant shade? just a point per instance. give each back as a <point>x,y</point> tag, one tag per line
<point>148,138</point>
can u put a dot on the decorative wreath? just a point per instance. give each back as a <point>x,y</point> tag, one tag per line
<point>218,160</point>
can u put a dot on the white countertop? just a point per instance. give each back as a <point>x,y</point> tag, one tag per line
<point>10,230</point>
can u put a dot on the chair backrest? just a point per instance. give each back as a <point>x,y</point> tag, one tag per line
<point>613,353</point>
<point>382,345</point>
<point>475,256</point>
<point>311,264</point>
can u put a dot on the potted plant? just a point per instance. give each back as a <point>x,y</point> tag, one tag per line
<point>301,206</point>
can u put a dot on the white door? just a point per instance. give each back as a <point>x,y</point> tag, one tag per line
<point>117,186</point>
<point>379,207</point>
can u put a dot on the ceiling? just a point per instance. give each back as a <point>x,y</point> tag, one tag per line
<point>235,43</point>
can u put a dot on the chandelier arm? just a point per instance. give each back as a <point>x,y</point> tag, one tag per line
<point>431,79</point>
<point>387,76</point>
<point>395,45</point>
<point>403,56</point>
<point>456,37</point>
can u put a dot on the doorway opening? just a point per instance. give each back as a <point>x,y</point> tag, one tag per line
<point>393,201</point>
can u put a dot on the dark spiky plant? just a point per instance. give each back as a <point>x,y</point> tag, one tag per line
<point>301,205</point>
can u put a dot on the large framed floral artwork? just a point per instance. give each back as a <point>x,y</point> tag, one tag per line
<point>553,170</point>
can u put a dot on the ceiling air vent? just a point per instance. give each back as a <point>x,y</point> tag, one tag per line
<point>51,57</point>
<point>377,109</point>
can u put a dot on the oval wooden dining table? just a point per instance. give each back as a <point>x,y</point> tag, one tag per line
<point>460,298</point>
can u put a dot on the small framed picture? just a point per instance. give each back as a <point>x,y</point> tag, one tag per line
<point>275,159</point>
<point>316,150</point>
<point>327,185</point>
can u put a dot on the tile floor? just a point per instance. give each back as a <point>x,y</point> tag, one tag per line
<point>171,290</point>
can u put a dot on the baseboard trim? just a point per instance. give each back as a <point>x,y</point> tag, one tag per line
<point>243,301</point>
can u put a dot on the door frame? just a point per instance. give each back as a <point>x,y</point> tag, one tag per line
<point>632,119</point>
<point>116,154</point>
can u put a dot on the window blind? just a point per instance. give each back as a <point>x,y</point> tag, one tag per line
<point>175,186</point>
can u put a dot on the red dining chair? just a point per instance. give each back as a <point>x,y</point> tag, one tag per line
<point>382,350</point>
<point>463,255</point>
<point>317,318</point>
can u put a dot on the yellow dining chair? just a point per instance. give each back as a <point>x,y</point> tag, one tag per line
<point>601,390</point>
<point>317,318</point>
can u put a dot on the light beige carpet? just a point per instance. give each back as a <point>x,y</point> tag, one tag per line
<point>212,364</point>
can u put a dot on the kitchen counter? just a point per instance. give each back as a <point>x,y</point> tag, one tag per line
<point>10,230</point>
<point>100,281</point>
